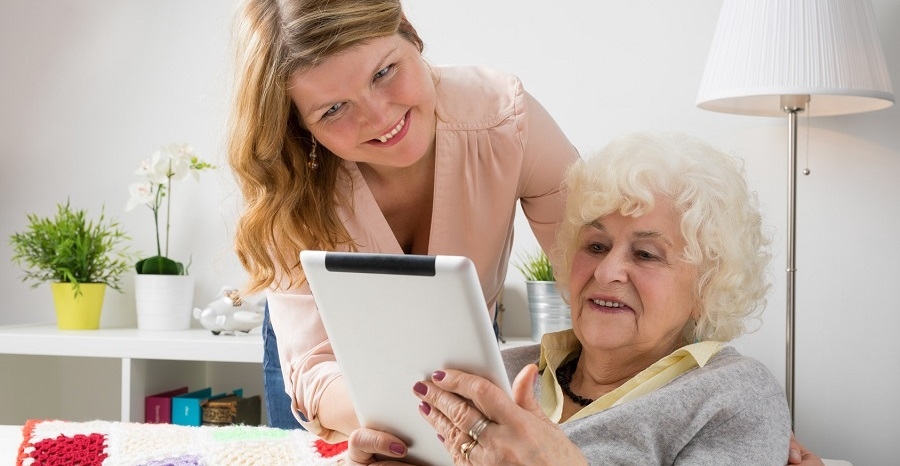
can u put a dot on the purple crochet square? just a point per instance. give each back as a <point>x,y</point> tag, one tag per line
<point>184,460</point>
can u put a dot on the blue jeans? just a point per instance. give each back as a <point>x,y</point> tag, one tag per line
<point>278,402</point>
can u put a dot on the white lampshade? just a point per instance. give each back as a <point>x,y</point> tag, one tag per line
<point>828,50</point>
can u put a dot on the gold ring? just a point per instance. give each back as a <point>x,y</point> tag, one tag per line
<point>478,428</point>
<point>467,447</point>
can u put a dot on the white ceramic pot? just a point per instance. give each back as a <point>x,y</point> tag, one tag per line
<point>164,302</point>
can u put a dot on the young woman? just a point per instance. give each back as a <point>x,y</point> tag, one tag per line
<point>345,138</point>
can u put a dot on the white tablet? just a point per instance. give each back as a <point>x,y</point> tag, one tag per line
<point>393,319</point>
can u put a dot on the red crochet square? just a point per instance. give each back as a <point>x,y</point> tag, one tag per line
<point>83,450</point>
<point>327,450</point>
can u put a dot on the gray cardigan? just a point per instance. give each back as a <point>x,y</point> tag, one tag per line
<point>731,411</point>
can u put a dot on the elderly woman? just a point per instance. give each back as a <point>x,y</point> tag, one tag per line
<point>662,259</point>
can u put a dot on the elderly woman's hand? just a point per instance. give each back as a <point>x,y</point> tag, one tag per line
<point>479,424</point>
<point>364,444</point>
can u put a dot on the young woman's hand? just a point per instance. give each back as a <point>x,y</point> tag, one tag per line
<point>364,444</point>
<point>798,454</point>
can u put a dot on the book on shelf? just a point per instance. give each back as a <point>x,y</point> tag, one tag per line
<point>232,409</point>
<point>187,408</point>
<point>158,407</point>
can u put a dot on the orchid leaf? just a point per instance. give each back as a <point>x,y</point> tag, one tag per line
<point>159,265</point>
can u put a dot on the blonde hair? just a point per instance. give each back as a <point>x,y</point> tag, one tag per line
<point>720,220</point>
<point>287,205</point>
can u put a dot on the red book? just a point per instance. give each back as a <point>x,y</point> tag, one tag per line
<point>158,408</point>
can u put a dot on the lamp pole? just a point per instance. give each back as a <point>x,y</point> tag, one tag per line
<point>791,104</point>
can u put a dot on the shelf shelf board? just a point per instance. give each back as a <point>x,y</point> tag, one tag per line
<point>184,345</point>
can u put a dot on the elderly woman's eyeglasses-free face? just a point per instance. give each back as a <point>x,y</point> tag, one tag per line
<point>629,287</point>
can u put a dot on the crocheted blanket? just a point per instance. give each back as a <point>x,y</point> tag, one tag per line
<point>106,443</point>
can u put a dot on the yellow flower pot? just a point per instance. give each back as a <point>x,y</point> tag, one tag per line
<point>78,313</point>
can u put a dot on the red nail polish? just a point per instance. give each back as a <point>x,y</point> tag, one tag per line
<point>398,448</point>
<point>425,408</point>
<point>420,388</point>
<point>438,375</point>
<point>441,438</point>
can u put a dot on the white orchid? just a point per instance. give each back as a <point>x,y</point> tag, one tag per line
<point>139,194</point>
<point>171,162</point>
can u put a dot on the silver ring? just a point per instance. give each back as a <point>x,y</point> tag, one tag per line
<point>467,447</point>
<point>478,428</point>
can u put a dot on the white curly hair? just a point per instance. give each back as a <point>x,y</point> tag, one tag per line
<point>720,220</point>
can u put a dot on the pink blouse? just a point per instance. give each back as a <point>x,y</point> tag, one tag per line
<point>495,146</point>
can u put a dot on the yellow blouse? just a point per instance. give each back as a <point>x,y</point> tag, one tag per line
<point>558,347</point>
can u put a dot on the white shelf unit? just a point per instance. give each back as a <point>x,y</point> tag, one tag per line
<point>105,374</point>
<point>78,369</point>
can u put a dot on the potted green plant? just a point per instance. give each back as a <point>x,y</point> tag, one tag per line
<point>79,257</point>
<point>164,292</point>
<point>549,313</point>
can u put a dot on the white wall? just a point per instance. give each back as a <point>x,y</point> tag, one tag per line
<point>88,88</point>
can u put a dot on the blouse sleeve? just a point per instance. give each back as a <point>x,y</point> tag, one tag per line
<point>307,360</point>
<point>548,154</point>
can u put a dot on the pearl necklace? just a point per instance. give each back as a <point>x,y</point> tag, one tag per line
<point>564,377</point>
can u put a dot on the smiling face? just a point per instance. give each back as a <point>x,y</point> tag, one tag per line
<point>373,103</point>
<point>629,287</point>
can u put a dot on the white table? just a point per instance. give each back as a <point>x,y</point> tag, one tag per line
<point>10,439</point>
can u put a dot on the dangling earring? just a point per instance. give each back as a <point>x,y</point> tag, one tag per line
<point>312,163</point>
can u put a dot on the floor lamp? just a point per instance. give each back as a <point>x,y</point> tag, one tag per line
<point>784,57</point>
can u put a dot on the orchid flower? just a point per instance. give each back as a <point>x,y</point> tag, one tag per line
<point>168,163</point>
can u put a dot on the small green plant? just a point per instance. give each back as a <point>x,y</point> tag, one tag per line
<point>535,267</point>
<point>69,248</point>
